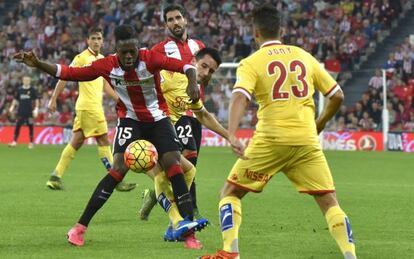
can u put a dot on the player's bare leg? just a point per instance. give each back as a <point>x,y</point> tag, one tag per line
<point>338,223</point>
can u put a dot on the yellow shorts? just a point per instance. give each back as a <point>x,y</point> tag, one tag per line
<point>305,166</point>
<point>92,123</point>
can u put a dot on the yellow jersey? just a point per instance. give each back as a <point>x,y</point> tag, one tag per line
<point>173,86</point>
<point>283,79</point>
<point>90,92</point>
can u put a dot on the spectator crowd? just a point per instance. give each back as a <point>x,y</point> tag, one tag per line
<point>337,32</point>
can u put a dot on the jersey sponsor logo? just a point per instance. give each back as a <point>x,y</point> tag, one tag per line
<point>256,176</point>
<point>226,217</point>
<point>25,96</point>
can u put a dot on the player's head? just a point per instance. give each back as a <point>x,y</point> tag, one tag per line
<point>126,45</point>
<point>207,62</point>
<point>95,39</point>
<point>174,18</point>
<point>266,23</point>
<point>26,81</point>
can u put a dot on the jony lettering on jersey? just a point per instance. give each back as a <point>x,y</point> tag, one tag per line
<point>278,51</point>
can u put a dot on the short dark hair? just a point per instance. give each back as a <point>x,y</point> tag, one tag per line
<point>173,7</point>
<point>211,52</point>
<point>124,32</point>
<point>266,19</point>
<point>94,30</point>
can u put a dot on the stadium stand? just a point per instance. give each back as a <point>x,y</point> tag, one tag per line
<point>342,34</point>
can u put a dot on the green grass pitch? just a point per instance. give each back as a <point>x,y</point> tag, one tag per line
<point>375,189</point>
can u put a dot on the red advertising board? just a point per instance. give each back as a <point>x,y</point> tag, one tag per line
<point>42,135</point>
<point>362,141</point>
<point>352,141</point>
<point>408,141</point>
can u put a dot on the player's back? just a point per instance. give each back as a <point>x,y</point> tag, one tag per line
<point>283,78</point>
<point>90,92</point>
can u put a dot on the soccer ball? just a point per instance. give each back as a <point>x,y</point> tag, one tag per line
<point>140,156</point>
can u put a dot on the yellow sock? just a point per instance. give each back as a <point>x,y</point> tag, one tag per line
<point>340,229</point>
<point>189,176</point>
<point>230,221</point>
<point>165,198</point>
<point>67,155</point>
<point>105,154</point>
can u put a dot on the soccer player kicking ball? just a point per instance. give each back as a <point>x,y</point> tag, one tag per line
<point>142,111</point>
<point>173,86</point>
<point>283,78</point>
<point>90,118</point>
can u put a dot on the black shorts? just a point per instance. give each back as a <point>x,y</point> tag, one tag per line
<point>189,133</point>
<point>160,133</point>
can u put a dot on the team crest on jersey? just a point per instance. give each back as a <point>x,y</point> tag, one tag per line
<point>185,141</point>
<point>121,141</point>
<point>142,71</point>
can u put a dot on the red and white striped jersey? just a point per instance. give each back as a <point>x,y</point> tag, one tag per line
<point>178,49</point>
<point>139,89</point>
<point>182,50</point>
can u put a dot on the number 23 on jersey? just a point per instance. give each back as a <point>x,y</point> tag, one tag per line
<point>280,89</point>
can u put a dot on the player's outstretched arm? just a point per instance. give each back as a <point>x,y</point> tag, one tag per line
<point>334,102</point>
<point>208,120</point>
<point>30,59</point>
<point>86,73</point>
<point>238,104</point>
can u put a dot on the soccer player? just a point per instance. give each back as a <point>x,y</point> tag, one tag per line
<point>283,79</point>
<point>90,118</point>
<point>26,97</point>
<point>142,112</point>
<point>173,86</point>
<point>180,46</point>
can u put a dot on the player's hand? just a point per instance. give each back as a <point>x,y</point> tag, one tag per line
<point>51,106</point>
<point>237,147</point>
<point>320,126</point>
<point>27,57</point>
<point>35,112</point>
<point>193,92</point>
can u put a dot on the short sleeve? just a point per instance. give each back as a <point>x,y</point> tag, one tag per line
<point>34,94</point>
<point>323,81</point>
<point>198,106</point>
<point>246,79</point>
